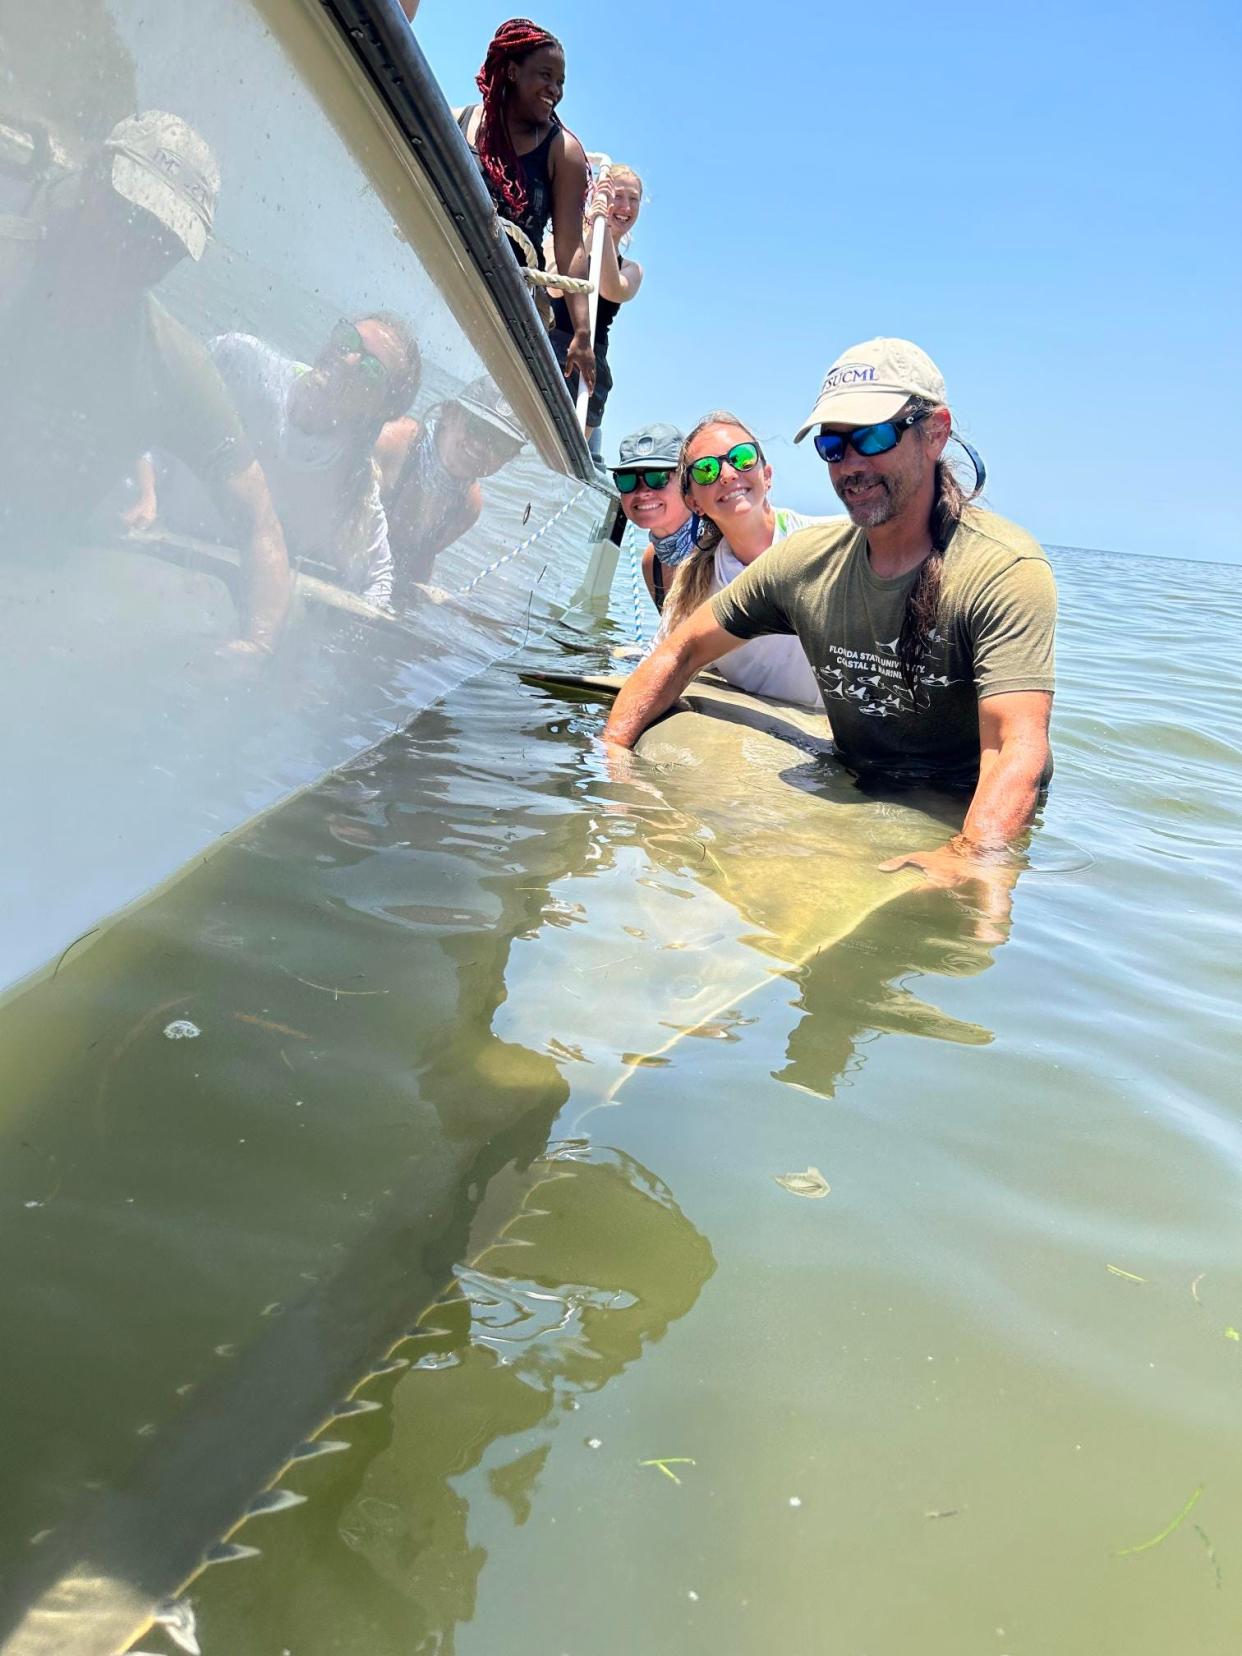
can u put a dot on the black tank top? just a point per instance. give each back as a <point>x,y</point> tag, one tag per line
<point>657,581</point>
<point>607,311</point>
<point>536,181</point>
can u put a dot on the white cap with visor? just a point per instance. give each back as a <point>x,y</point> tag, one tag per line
<point>873,382</point>
<point>161,164</point>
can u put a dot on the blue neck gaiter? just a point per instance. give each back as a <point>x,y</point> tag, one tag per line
<point>676,548</point>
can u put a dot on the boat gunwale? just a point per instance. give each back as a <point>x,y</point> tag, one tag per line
<point>383,44</point>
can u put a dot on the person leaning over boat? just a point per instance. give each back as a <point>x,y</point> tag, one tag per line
<point>534,167</point>
<point>618,200</point>
<point>432,470</point>
<point>646,477</point>
<point>724,479</point>
<point>929,622</point>
<point>313,427</point>
<point>96,371</point>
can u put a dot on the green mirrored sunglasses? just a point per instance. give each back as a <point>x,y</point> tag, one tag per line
<point>347,343</point>
<point>628,481</point>
<point>742,456</point>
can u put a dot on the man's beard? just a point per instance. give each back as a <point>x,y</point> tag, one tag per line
<point>309,406</point>
<point>871,513</point>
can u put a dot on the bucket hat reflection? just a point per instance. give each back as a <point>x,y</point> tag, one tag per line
<point>653,445</point>
<point>483,398</point>
<point>161,164</point>
<point>872,382</point>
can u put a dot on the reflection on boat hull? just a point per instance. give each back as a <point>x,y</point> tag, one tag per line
<point>281,1194</point>
<point>157,300</point>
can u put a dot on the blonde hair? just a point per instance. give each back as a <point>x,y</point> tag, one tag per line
<point>624,173</point>
<point>620,170</point>
<point>692,583</point>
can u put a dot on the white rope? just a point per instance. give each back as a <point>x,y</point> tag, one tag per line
<point>531,271</point>
<point>517,550</point>
<point>638,591</point>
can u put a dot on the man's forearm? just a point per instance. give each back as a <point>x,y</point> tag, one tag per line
<point>266,580</point>
<point>650,690</point>
<point>266,584</point>
<point>1006,796</point>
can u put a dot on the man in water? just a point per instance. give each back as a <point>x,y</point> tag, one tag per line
<point>96,370</point>
<point>432,471</point>
<point>646,477</point>
<point>928,622</point>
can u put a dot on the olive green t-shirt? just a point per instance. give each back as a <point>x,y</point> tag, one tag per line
<point>997,616</point>
<point>83,400</point>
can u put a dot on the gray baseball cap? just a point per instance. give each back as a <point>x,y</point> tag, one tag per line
<point>485,400</point>
<point>653,445</point>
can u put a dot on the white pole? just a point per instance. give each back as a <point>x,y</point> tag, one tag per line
<point>599,229</point>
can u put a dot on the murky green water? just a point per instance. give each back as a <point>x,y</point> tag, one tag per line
<point>499,1065</point>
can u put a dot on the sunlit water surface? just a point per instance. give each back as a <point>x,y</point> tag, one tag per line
<point>485,1030</point>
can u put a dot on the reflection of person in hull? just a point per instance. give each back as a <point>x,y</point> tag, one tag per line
<point>929,623</point>
<point>432,470</point>
<point>97,371</point>
<point>646,476</point>
<point>314,429</point>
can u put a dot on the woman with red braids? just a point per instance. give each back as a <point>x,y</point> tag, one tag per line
<point>534,167</point>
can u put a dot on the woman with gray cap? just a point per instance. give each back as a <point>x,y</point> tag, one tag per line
<point>431,471</point>
<point>645,474</point>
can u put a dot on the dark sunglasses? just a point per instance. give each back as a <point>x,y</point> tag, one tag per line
<point>742,456</point>
<point>346,341</point>
<point>867,440</point>
<point>496,444</point>
<point>628,481</point>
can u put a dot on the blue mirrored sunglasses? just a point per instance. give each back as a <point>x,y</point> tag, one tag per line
<point>866,440</point>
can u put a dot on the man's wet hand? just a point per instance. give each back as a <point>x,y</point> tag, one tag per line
<point>139,517</point>
<point>244,649</point>
<point>624,769</point>
<point>618,760</point>
<point>943,867</point>
<point>983,877</point>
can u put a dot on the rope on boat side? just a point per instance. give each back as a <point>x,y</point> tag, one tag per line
<point>529,541</point>
<point>530,269</point>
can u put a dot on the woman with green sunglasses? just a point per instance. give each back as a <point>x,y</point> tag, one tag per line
<point>725,479</point>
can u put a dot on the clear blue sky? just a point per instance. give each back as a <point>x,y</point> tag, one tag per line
<point>1044,197</point>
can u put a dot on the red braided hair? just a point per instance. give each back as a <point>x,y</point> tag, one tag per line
<point>512,42</point>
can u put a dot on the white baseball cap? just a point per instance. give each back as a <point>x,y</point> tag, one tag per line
<point>872,382</point>
<point>161,164</point>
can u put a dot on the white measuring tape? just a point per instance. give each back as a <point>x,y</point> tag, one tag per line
<point>518,550</point>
